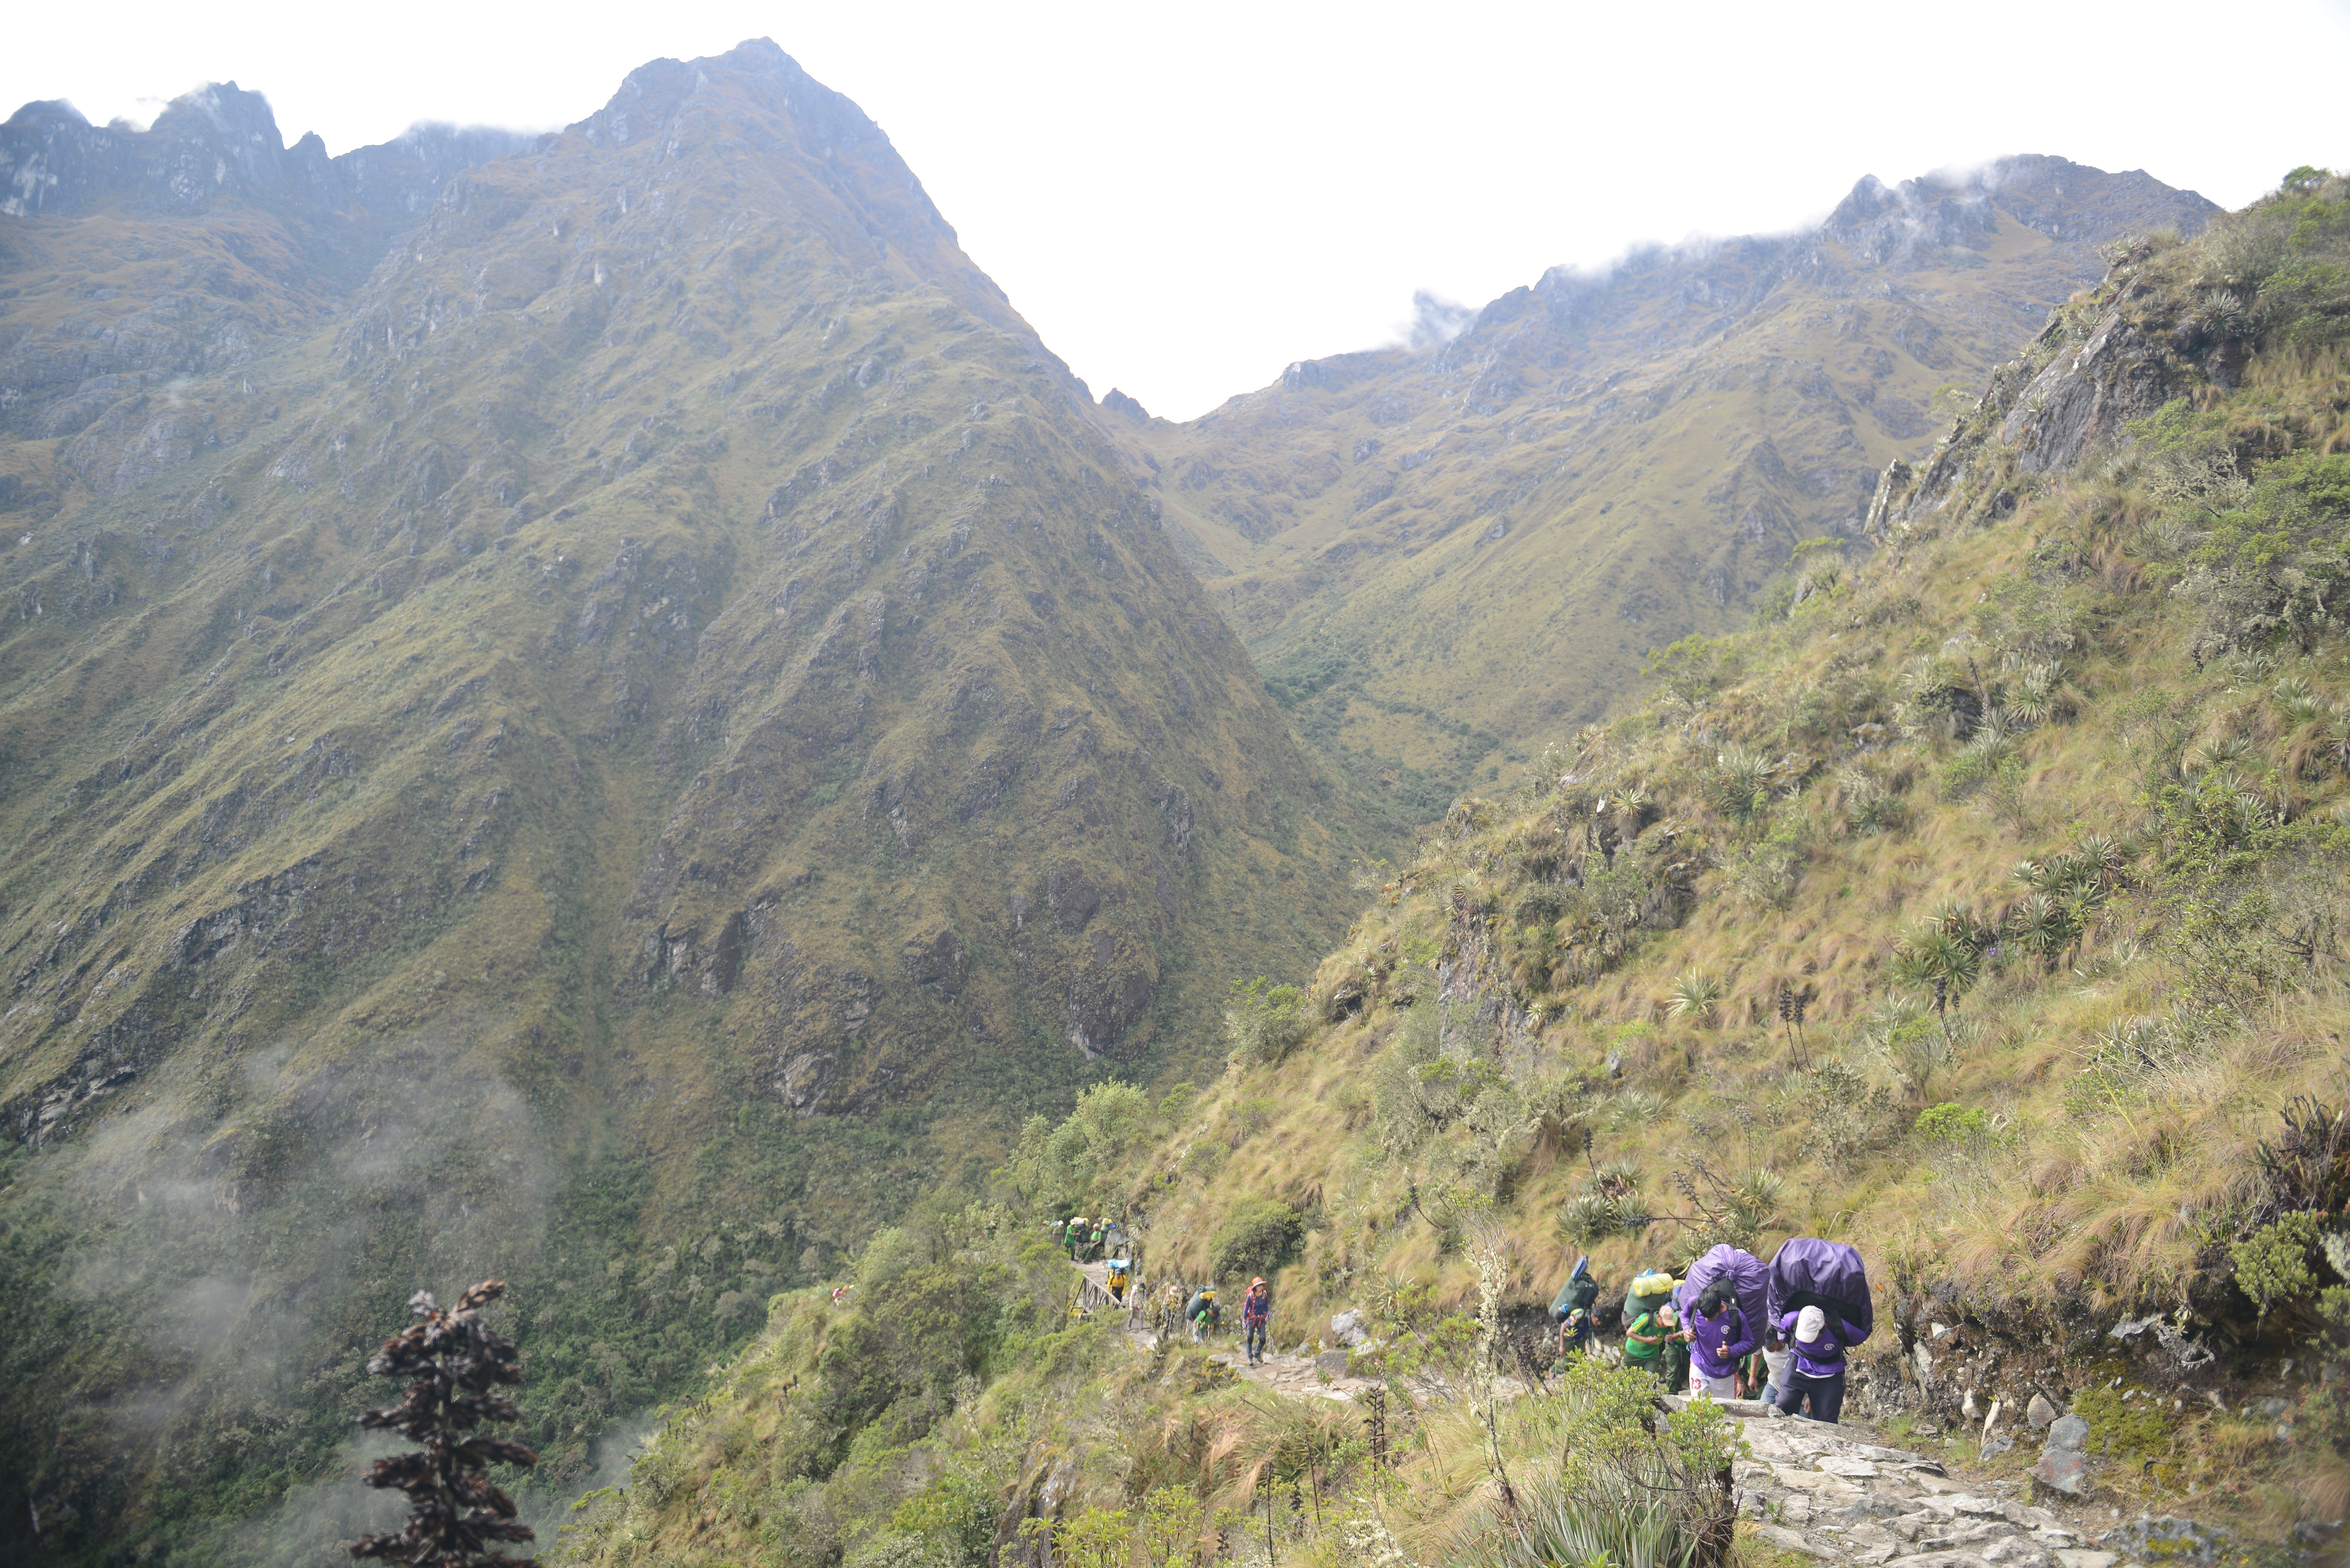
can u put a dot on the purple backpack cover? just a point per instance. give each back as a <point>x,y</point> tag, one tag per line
<point>1749,1281</point>
<point>1808,1272</point>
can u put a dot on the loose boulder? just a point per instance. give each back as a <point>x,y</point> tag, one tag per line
<point>2064,1466</point>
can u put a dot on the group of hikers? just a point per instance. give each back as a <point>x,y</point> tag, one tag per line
<point>1084,1240</point>
<point>1735,1328</point>
<point>1202,1314</point>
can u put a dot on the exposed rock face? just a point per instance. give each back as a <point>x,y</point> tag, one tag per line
<point>668,664</point>
<point>2086,396</point>
<point>2084,378</point>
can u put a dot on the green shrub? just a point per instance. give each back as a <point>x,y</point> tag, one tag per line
<point>1053,1168</point>
<point>1954,1127</point>
<point>913,1334</point>
<point>954,1515</point>
<point>1634,1492</point>
<point>896,1548</point>
<point>1596,1216</point>
<point>2272,1263</point>
<point>1693,669</point>
<point>2266,571</point>
<point>1265,1022</point>
<point>1256,1238</point>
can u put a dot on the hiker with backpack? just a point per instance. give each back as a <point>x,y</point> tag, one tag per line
<point>1203,1315</point>
<point>1574,1334</point>
<point>1573,1310</point>
<point>1171,1313</point>
<point>1645,1337</point>
<point>1817,1375</point>
<point>1256,1316</point>
<point>1719,1339</point>
<point>1658,1348</point>
<point>1820,1301</point>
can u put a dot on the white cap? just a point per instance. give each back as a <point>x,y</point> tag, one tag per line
<point>1808,1324</point>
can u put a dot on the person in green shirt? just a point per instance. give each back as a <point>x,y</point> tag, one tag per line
<point>1644,1336</point>
<point>1675,1367</point>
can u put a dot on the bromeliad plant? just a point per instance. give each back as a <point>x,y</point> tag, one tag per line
<point>455,1361</point>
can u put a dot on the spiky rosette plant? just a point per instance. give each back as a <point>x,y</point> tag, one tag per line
<point>455,1362</point>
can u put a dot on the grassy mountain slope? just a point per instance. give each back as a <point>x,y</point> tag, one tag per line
<point>1442,557</point>
<point>2066,755</point>
<point>2041,810</point>
<point>660,732</point>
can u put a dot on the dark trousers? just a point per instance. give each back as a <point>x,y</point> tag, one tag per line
<point>1255,1343</point>
<point>1826,1395</point>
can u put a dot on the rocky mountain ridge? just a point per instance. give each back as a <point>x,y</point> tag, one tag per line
<point>222,142</point>
<point>1443,556</point>
<point>135,258</point>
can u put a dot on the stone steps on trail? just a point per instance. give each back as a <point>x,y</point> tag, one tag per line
<point>1842,1495</point>
<point>1322,1376</point>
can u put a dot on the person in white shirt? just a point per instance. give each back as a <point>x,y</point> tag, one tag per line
<point>1775,1356</point>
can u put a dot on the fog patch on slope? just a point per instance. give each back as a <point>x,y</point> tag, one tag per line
<point>259,1225</point>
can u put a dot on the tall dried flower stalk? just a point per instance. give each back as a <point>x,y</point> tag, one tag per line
<point>453,1360</point>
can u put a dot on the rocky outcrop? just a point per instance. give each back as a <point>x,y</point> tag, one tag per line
<point>2087,376</point>
<point>2084,396</point>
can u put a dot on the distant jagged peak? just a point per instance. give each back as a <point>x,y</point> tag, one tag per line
<point>226,109</point>
<point>657,93</point>
<point>1878,226</point>
<point>222,140</point>
<point>817,150</point>
<point>2056,197</point>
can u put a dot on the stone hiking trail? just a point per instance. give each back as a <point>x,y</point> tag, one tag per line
<point>1833,1493</point>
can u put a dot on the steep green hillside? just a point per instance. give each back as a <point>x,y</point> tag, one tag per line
<point>659,734</point>
<point>2040,812</point>
<point>1980,905</point>
<point>1443,558</point>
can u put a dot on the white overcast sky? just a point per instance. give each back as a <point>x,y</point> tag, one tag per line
<point>1184,197</point>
